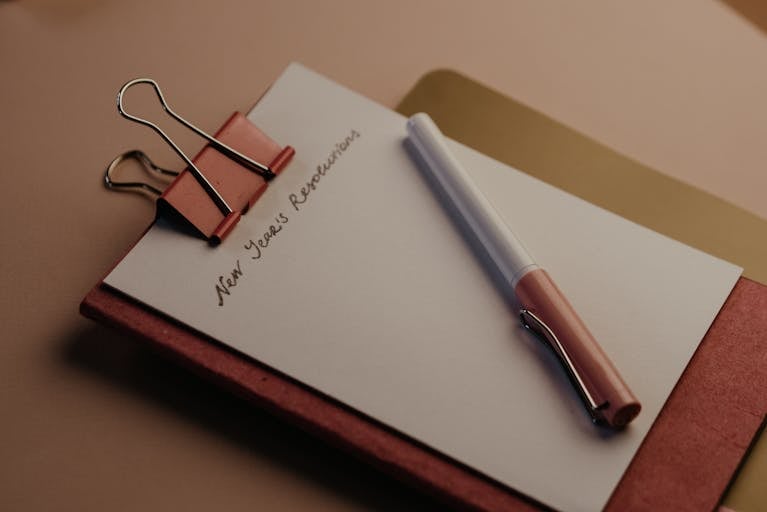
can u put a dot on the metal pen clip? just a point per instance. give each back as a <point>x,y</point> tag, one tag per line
<point>262,170</point>
<point>538,327</point>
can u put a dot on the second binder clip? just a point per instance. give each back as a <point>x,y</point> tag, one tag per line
<point>210,203</point>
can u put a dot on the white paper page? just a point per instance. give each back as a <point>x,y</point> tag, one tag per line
<point>368,293</point>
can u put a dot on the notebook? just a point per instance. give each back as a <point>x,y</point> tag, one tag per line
<point>348,276</point>
<point>522,137</point>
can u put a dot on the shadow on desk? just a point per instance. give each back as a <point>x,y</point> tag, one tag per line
<point>124,362</point>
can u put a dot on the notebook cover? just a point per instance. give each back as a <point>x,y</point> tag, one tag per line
<point>685,463</point>
<point>526,139</point>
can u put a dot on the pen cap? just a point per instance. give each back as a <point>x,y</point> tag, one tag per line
<point>604,391</point>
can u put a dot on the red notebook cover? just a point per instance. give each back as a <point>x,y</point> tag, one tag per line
<point>685,462</point>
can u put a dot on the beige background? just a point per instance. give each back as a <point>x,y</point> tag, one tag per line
<point>93,421</point>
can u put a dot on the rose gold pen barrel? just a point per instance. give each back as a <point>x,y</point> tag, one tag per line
<point>551,315</point>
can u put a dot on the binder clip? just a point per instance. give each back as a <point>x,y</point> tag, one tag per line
<point>219,184</point>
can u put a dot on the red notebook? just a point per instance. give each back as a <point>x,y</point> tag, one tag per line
<point>684,463</point>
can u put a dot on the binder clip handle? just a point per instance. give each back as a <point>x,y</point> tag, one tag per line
<point>219,201</point>
<point>262,170</point>
<point>146,163</point>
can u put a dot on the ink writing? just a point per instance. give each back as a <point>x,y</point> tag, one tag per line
<point>297,199</point>
<point>263,242</point>
<point>224,285</point>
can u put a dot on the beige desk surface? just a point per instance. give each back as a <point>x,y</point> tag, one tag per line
<point>90,420</point>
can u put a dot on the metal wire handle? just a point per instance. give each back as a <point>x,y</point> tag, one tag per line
<point>145,162</point>
<point>201,179</point>
<point>262,170</point>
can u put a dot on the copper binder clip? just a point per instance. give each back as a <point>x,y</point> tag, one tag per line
<point>212,202</point>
